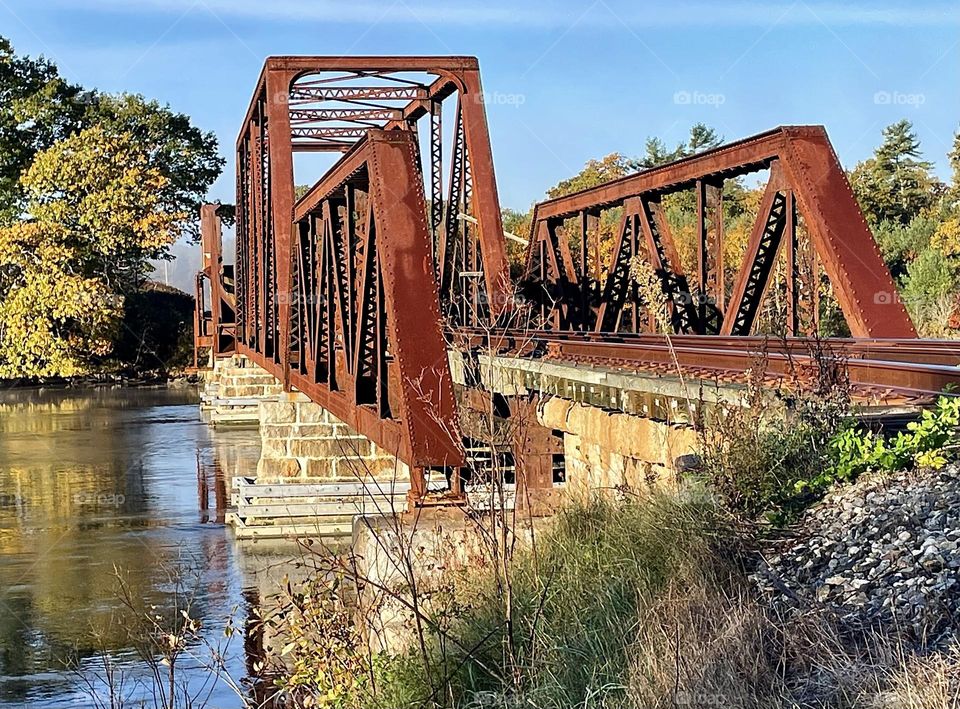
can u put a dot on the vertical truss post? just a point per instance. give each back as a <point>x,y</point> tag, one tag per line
<point>486,200</point>
<point>716,239</point>
<point>703,253</point>
<point>709,255</point>
<point>792,268</point>
<point>590,229</point>
<point>281,205</point>
<point>584,266</point>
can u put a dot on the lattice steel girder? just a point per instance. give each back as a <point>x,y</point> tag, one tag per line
<point>268,120</point>
<point>422,428</point>
<point>309,115</point>
<point>352,93</point>
<point>840,236</point>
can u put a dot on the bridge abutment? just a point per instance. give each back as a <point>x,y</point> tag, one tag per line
<point>606,449</point>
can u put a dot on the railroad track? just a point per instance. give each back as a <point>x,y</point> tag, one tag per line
<point>888,371</point>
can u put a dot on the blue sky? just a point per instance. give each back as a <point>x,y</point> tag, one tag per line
<point>587,78</point>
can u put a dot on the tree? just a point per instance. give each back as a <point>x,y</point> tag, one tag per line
<point>37,107</point>
<point>901,243</point>
<point>929,291</point>
<point>954,157</point>
<point>657,153</point>
<point>518,224</point>
<point>594,173</point>
<point>184,155</point>
<point>701,138</point>
<point>97,213</point>
<point>52,319</point>
<point>895,184</point>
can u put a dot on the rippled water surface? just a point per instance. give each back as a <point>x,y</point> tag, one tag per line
<point>97,483</point>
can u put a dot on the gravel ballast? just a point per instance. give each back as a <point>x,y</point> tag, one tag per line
<point>880,552</point>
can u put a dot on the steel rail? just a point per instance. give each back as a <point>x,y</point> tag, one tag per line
<point>944,352</point>
<point>870,363</point>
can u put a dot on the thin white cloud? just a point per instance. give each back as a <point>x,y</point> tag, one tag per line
<point>554,13</point>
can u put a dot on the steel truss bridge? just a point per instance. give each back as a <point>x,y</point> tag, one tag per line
<point>353,293</point>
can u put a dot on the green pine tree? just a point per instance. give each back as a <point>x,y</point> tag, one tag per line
<point>896,184</point>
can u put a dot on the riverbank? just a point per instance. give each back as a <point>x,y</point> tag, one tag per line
<point>120,378</point>
<point>805,561</point>
<point>646,601</point>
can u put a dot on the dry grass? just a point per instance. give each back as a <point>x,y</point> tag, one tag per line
<point>640,605</point>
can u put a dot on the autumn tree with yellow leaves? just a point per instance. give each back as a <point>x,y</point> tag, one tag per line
<point>94,220</point>
<point>92,188</point>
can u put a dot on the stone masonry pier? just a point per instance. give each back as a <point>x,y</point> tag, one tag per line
<point>233,390</point>
<point>302,442</point>
<point>612,430</point>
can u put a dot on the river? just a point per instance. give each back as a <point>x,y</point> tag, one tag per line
<point>100,485</point>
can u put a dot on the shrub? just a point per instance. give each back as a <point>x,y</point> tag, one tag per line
<point>759,454</point>
<point>926,444</point>
<point>577,602</point>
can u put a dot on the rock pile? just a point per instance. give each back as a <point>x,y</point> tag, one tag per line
<point>882,551</point>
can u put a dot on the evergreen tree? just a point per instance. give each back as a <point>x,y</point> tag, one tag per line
<point>702,137</point>
<point>954,157</point>
<point>896,184</point>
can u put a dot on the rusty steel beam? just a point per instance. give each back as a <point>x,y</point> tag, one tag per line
<point>740,157</point>
<point>910,350</point>
<point>909,368</point>
<point>816,188</point>
<point>371,348</point>
<point>215,328</point>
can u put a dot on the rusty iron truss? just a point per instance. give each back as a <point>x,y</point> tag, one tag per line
<point>325,104</point>
<point>366,341</point>
<point>805,181</point>
<point>354,293</point>
<point>214,315</point>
